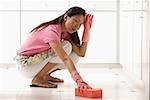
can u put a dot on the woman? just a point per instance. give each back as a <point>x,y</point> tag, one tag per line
<point>54,45</point>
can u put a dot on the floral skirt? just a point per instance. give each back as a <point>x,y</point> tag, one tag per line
<point>31,60</point>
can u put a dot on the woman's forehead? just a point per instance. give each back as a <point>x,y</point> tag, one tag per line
<point>79,18</point>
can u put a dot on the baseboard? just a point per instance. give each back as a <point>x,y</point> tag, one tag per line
<point>99,65</point>
<point>7,65</point>
<point>87,65</point>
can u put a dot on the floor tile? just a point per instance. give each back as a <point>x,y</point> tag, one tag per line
<point>15,87</point>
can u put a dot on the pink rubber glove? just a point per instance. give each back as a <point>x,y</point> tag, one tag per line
<point>87,27</point>
<point>77,78</point>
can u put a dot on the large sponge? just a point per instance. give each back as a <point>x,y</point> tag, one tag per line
<point>89,93</point>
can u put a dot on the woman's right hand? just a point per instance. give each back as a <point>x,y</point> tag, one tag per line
<point>83,85</point>
<point>80,83</point>
<point>56,46</point>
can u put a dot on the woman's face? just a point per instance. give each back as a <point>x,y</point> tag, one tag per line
<point>72,24</point>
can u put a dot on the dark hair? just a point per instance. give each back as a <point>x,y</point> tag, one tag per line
<point>59,20</point>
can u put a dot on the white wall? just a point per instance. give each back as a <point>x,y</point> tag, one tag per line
<point>9,30</point>
<point>18,17</point>
<point>146,54</point>
<point>135,43</point>
<point>132,24</point>
<point>101,38</point>
<point>29,13</point>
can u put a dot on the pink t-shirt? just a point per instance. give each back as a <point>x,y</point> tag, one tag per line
<point>39,41</point>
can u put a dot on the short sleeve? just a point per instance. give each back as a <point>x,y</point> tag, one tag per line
<point>50,35</point>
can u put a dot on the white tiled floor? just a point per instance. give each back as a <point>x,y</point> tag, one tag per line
<point>15,87</point>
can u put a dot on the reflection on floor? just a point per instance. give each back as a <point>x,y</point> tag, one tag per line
<point>15,87</point>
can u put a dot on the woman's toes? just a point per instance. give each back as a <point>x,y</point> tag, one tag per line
<point>54,79</point>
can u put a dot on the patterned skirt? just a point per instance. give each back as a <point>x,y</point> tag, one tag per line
<point>31,60</point>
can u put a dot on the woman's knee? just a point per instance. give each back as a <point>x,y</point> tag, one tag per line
<point>74,57</point>
<point>67,46</point>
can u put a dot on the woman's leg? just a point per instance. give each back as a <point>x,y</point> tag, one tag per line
<point>67,46</point>
<point>41,78</point>
<point>40,71</point>
<point>60,66</point>
<point>73,56</point>
<point>55,59</point>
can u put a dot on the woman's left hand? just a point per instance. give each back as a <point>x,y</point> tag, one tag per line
<point>87,27</point>
<point>88,21</point>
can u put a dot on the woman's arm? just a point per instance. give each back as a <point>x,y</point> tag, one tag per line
<point>79,50</point>
<point>58,49</point>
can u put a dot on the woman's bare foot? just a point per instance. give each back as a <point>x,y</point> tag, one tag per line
<point>54,79</point>
<point>42,82</point>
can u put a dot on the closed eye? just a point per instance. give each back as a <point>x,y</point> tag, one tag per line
<point>75,20</point>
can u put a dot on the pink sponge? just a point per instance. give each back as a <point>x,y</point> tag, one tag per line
<point>89,93</point>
